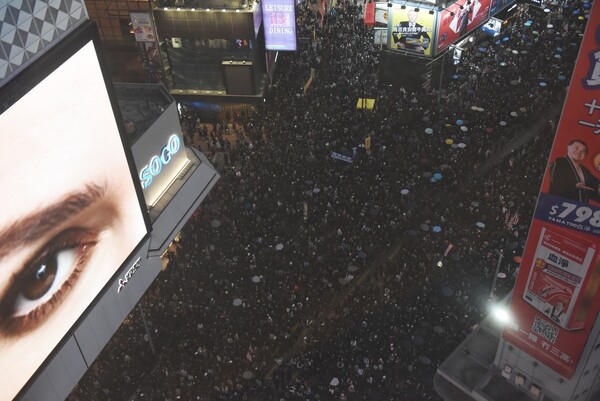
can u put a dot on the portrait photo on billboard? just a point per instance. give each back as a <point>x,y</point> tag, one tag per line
<point>459,19</point>
<point>72,215</point>
<point>574,174</point>
<point>412,30</point>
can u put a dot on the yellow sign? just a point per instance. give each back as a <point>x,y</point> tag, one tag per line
<point>364,103</point>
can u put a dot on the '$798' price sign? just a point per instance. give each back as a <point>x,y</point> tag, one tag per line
<point>569,213</point>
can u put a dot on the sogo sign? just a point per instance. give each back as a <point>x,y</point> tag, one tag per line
<point>155,166</point>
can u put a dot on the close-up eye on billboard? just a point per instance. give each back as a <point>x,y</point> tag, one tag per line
<point>70,217</point>
<point>412,30</point>
<point>279,20</point>
<point>459,19</point>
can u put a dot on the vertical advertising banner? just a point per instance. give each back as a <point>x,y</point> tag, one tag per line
<point>556,299</point>
<point>279,19</point>
<point>147,44</point>
<point>411,30</point>
<point>459,19</point>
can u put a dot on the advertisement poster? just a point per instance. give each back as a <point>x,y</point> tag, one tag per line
<point>73,217</point>
<point>556,297</point>
<point>147,44</point>
<point>382,13</point>
<point>411,30</point>
<point>142,27</point>
<point>279,19</point>
<point>459,19</point>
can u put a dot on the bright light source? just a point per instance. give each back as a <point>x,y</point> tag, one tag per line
<point>501,314</point>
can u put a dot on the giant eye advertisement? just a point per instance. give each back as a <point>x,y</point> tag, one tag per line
<point>459,19</point>
<point>412,30</point>
<point>70,214</point>
<point>556,299</point>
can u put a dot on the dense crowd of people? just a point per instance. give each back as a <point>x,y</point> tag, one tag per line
<point>322,280</point>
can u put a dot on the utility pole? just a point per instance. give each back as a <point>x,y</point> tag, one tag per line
<point>493,290</point>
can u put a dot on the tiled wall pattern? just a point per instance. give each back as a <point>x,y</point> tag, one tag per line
<point>29,27</point>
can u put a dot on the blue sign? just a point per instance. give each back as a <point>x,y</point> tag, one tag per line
<point>154,167</point>
<point>341,157</point>
<point>568,213</point>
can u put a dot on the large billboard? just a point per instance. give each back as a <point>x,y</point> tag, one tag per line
<point>459,19</point>
<point>556,298</point>
<point>71,215</point>
<point>279,20</point>
<point>411,29</point>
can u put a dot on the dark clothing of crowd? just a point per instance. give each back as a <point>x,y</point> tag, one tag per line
<point>322,280</point>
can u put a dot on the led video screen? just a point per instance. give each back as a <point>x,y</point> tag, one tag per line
<point>70,216</point>
<point>459,19</point>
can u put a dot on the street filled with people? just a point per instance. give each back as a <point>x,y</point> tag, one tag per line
<point>346,252</point>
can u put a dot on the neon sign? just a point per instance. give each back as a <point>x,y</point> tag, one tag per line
<point>155,166</point>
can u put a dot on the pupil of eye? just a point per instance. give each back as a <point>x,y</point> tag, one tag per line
<point>40,281</point>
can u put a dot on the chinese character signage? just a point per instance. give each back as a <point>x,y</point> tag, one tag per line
<point>279,20</point>
<point>412,30</point>
<point>459,19</point>
<point>556,298</point>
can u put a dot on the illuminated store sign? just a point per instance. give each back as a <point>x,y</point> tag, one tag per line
<point>155,166</point>
<point>279,20</point>
<point>134,268</point>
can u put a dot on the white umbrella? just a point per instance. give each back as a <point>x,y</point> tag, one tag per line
<point>279,246</point>
<point>237,302</point>
<point>480,224</point>
<point>256,279</point>
<point>334,382</point>
<point>404,191</point>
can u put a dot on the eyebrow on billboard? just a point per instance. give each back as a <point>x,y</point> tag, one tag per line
<point>35,225</point>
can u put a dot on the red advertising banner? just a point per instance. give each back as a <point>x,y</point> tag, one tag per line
<point>459,19</point>
<point>556,299</point>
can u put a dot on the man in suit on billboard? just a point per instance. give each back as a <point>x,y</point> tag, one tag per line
<point>410,35</point>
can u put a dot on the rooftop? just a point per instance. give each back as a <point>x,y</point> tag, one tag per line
<point>141,105</point>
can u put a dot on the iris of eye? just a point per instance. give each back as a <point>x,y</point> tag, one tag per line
<point>40,281</point>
